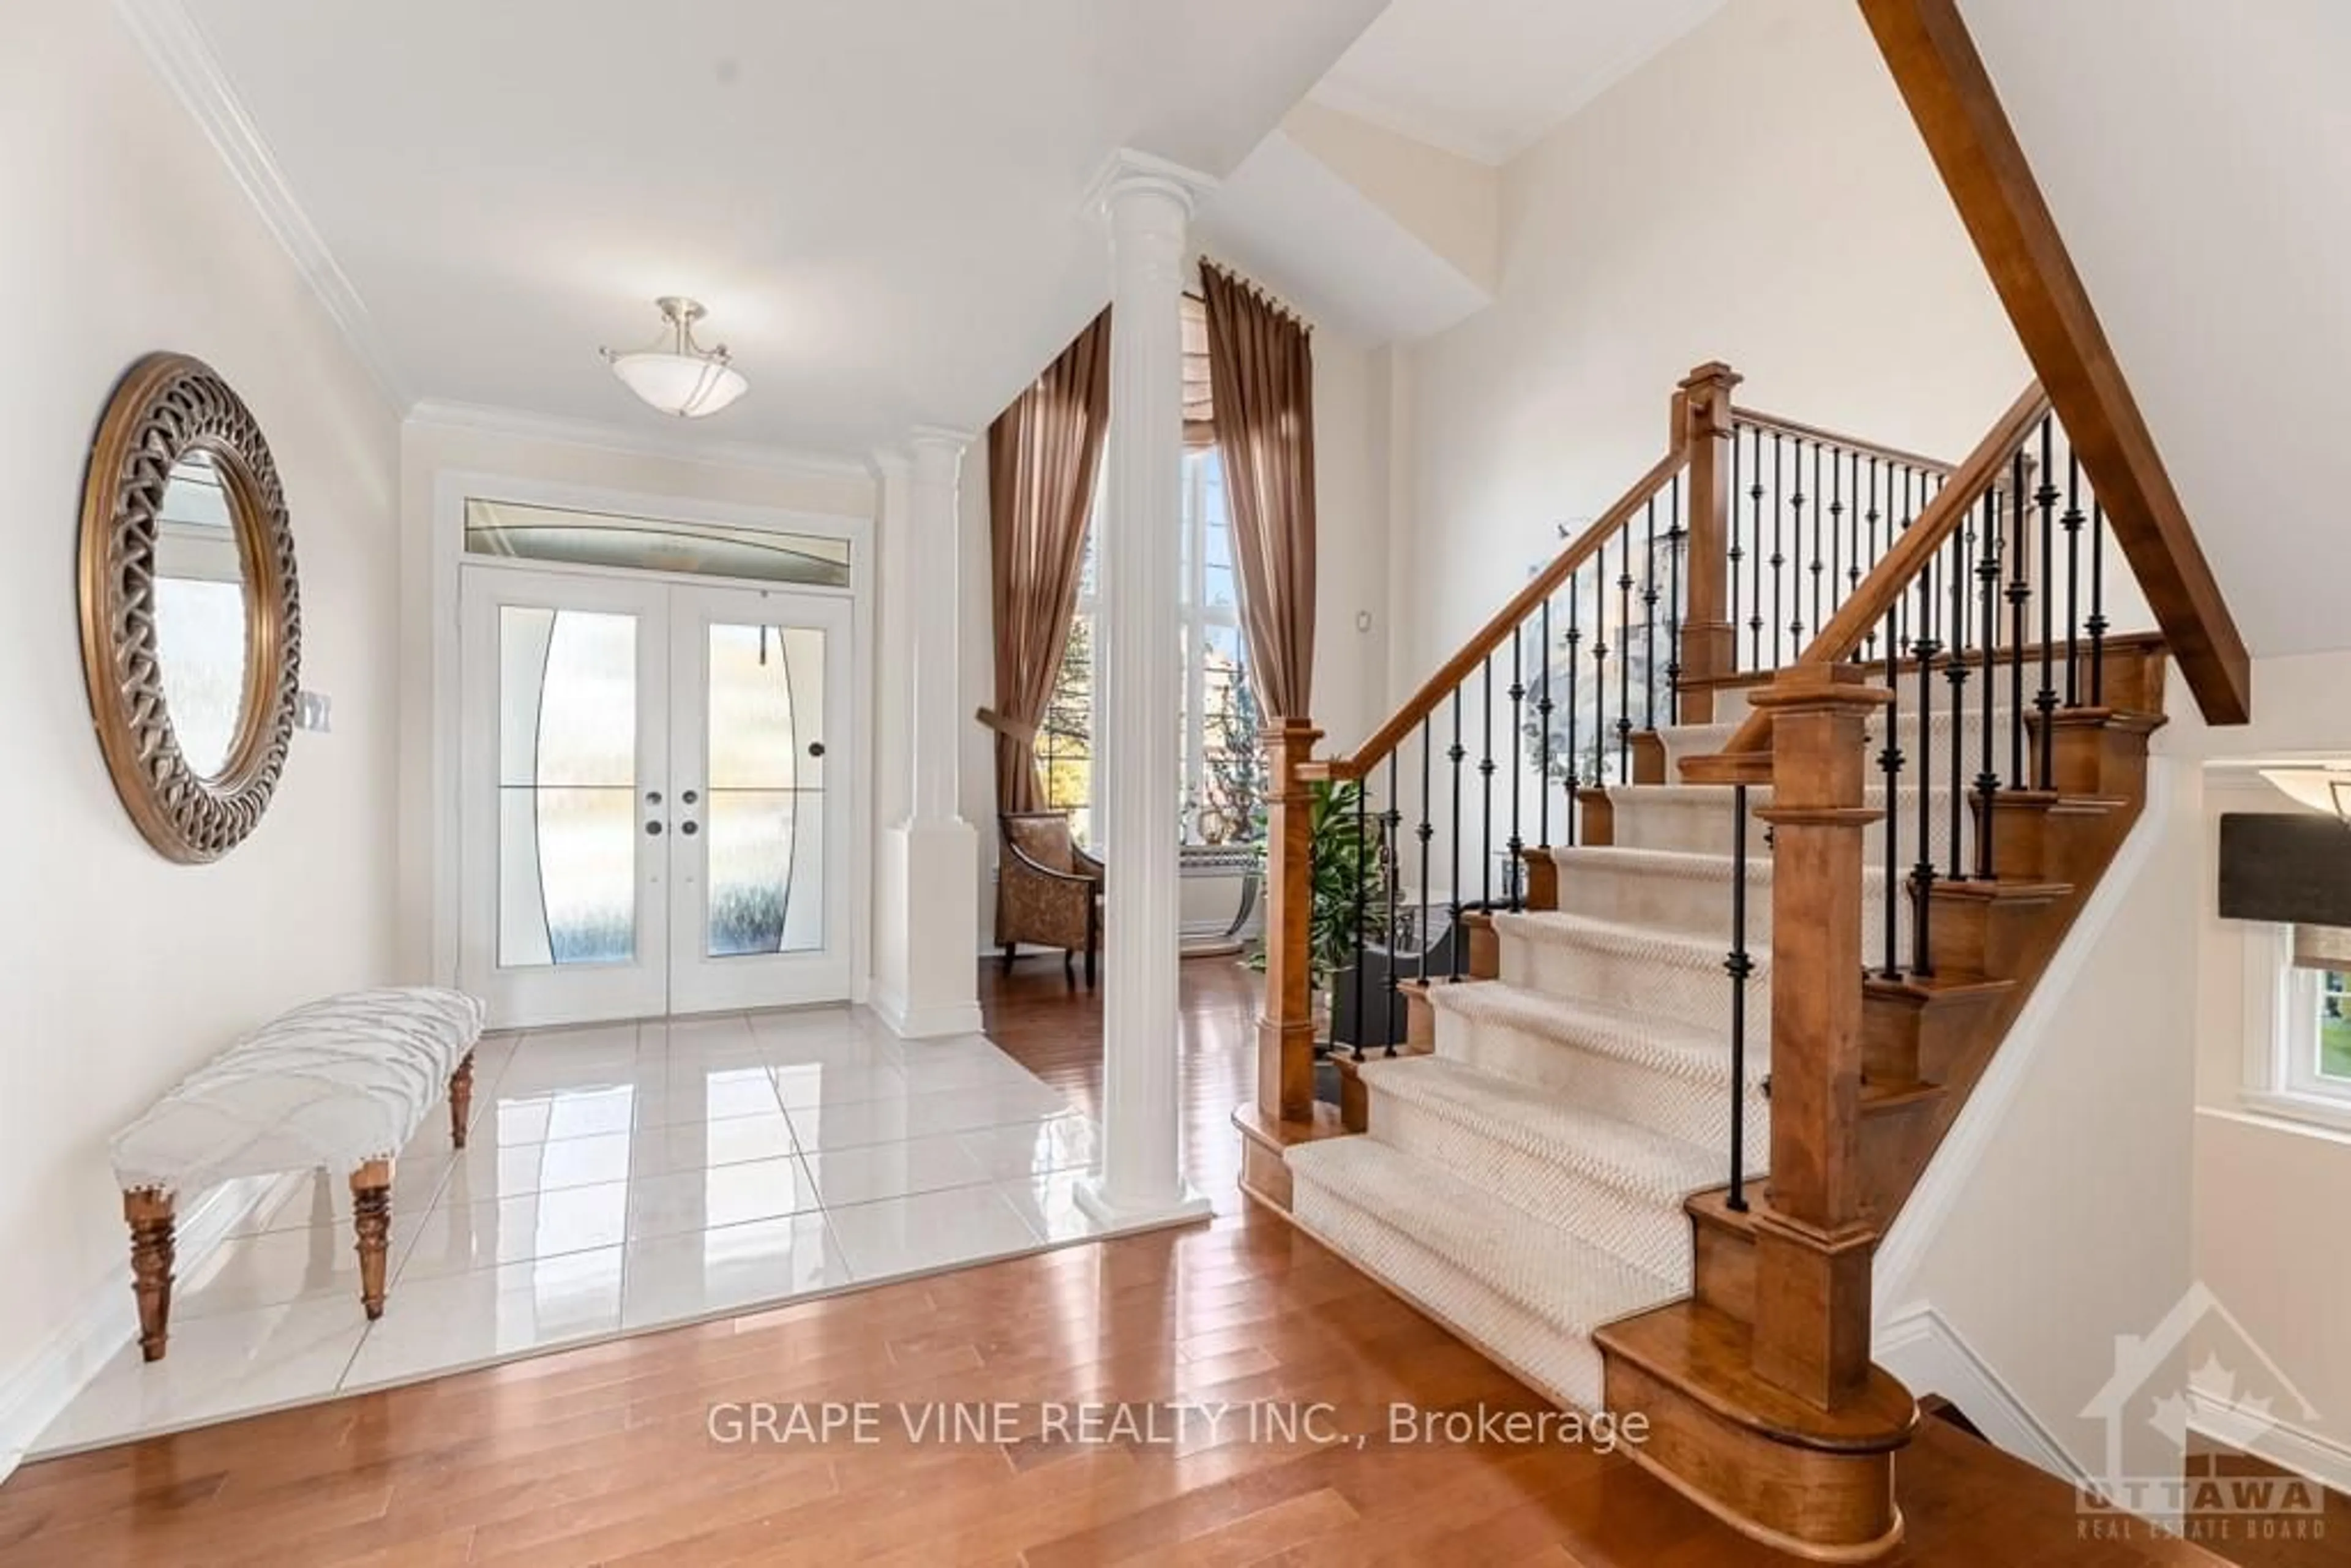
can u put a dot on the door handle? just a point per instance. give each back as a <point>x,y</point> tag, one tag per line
<point>689,827</point>
<point>653,797</point>
<point>816,749</point>
<point>652,829</point>
<point>689,796</point>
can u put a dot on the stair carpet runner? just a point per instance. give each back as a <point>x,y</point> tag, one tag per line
<point>1524,1183</point>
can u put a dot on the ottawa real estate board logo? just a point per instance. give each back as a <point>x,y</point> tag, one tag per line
<point>2187,1404</point>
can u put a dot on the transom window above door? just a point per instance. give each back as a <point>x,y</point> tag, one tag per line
<point>512,531</point>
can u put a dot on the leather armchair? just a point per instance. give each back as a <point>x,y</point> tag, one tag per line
<point>1048,890</point>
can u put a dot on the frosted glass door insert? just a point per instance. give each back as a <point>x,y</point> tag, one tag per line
<point>758,914</point>
<point>563,820</point>
<point>566,785</point>
<point>765,887</point>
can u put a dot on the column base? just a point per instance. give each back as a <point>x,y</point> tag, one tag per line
<point>926,935</point>
<point>1188,1206</point>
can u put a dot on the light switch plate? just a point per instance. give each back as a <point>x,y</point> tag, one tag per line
<point>312,712</point>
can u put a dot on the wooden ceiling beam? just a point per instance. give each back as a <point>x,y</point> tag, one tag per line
<point>1942,79</point>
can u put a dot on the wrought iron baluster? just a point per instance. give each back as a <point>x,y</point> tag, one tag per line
<point>2019,595</point>
<point>1363,910</point>
<point>1426,832</point>
<point>1543,728</point>
<point>1574,761</point>
<point>1924,646</point>
<point>1755,611</point>
<point>1649,597</point>
<point>1889,763</point>
<point>1739,967</point>
<point>1625,659</point>
<point>1737,553</point>
<point>1486,787</point>
<point>2097,602</point>
<point>1955,674</point>
<point>1988,773</point>
<point>2045,700</point>
<point>1454,754</point>
<point>1834,519</point>
<point>2073,521</point>
<point>1779,552</point>
<point>1600,668</point>
<point>1676,541</point>
<point>1388,877</point>
<point>1514,844</point>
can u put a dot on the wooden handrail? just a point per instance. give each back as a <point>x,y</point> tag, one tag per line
<point>1869,603</point>
<point>1504,622</point>
<point>1772,421</point>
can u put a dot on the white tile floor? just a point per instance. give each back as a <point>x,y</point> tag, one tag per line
<point>617,1178</point>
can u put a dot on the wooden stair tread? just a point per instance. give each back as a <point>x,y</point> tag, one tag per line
<point>1932,990</point>
<point>1707,1354</point>
<point>2004,891</point>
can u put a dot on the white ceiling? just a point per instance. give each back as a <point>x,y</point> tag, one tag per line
<point>882,205</point>
<point>1485,78</point>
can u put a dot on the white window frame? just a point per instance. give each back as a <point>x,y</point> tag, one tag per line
<point>2281,1076</point>
<point>1195,618</point>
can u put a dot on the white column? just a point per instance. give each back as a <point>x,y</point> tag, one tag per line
<point>927,942</point>
<point>1138,669</point>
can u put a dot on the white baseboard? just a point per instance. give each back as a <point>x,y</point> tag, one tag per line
<point>38,1390</point>
<point>2282,1443</point>
<point>924,1023</point>
<point>1918,1345</point>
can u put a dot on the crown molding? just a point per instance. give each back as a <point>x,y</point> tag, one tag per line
<point>182,55</point>
<point>520,424</point>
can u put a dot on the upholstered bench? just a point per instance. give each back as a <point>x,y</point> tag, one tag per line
<point>338,1084</point>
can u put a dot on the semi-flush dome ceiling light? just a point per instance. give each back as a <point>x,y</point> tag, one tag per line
<point>2320,789</point>
<point>678,375</point>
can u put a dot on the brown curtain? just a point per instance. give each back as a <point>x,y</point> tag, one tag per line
<point>1043,454</point>
<point>1261,370</point>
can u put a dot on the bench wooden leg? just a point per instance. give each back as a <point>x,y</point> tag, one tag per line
<point>151,1214</point>
<point>371,1218</point>
<point>461,1101</point>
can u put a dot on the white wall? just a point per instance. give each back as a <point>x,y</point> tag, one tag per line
<point>430,446</point>
<point>1756,193</point>
<point>121,971</point>
<point>2270,1194</point>
<point>2056,1216</point>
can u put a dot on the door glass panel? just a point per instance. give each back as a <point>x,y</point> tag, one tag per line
<point>567,787</point>
<point>765,879</point>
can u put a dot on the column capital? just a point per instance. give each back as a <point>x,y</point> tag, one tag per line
<point>936,440</point>
<point>1129,174</point>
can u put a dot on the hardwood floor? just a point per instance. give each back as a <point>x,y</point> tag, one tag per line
<point>608,1453</point>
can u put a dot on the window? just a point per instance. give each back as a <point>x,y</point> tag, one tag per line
<point>1222,784</point>
<point>2301,974</point>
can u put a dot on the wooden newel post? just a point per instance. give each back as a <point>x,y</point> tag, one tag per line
<point>1285,1030</point>
<point>1710,642</point>
<point>1813,1241</point>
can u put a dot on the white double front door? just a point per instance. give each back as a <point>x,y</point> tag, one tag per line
<point>655,809</point>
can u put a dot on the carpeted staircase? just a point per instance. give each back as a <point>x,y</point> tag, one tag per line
<point>1524,1182</point>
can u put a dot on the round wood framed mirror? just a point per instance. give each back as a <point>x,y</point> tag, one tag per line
<point>191,624</point>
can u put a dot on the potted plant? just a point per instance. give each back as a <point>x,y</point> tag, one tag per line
<point>1346,899</point>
